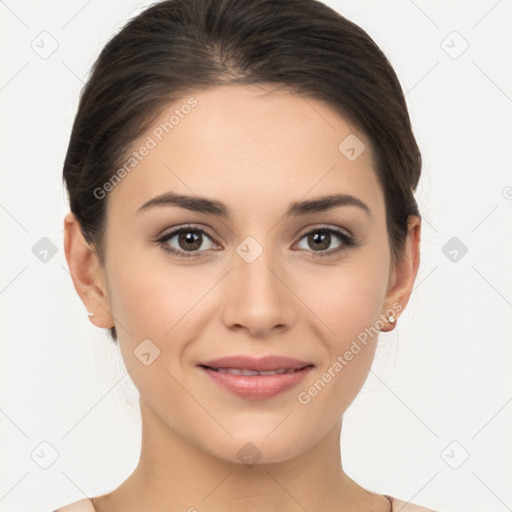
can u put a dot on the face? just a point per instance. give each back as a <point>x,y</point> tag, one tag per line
<point>310,283</point>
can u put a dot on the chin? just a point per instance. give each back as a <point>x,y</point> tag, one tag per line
<point>256,449</point>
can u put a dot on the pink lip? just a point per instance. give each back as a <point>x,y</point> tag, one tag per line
<point>257,386</point>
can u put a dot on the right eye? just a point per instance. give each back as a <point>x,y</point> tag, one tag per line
<point>188,238</point>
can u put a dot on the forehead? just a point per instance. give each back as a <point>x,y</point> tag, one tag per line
<point>251,147</point>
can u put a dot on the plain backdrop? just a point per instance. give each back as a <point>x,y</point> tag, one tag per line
<point>433,422</point>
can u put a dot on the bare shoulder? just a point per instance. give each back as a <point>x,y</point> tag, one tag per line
<point>405,506</point>
<point>84,505</point>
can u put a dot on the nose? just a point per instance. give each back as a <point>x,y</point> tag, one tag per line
<point>257,296</point>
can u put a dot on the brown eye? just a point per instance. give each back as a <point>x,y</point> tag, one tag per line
<point>188,240</point>
<point>320,239</point>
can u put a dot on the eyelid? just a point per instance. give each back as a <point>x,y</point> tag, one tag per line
<point>167,232</point>
<point>326,227</point>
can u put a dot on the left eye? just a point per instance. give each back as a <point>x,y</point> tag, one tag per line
<point>322,238</point>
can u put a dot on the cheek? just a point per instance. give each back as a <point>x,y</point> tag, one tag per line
<point>348,298</point>
<point>152,297</point>
<point>349,303</point>
<point>155,305</point>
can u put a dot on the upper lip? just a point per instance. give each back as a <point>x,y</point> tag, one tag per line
<point>256,364</point>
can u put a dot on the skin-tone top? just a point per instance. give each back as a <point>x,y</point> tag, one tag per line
<point>85,505</point>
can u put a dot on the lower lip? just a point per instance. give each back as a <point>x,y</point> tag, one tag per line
<point>257,386</point>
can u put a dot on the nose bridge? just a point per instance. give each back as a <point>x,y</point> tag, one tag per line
<point>255,264</point>
<point>256,297</point>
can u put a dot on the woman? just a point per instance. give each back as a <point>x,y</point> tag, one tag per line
<point>273,139</point>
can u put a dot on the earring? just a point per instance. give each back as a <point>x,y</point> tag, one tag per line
<point>90,314</point>
<point>391,319</point>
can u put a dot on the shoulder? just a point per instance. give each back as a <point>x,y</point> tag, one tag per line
<point>405,506</point>
<point>84,505</point>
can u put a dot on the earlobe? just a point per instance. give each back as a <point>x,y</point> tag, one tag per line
<point>86,273</point>
<point>404,273</point>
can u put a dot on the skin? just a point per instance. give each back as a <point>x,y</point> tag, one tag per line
<point>259,151</point>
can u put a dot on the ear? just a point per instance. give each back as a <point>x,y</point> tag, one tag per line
<point>403,274</point>
<point>86,273</point>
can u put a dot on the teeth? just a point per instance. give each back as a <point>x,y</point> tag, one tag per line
<point>238,371</point>
<point>273,372</point>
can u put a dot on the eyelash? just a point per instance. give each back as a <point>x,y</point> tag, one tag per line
<point>347,241</point>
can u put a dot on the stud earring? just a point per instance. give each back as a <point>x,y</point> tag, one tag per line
<point>391,319</point>
<point>90,314</point>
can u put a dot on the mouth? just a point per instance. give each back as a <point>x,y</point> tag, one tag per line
<point>251,378</point>
<point>262,364</point>
<point>244,371</point>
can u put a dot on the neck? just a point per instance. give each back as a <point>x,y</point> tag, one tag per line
<point>173,474</point>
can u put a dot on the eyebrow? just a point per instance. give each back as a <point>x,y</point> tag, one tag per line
<point>213,207</point>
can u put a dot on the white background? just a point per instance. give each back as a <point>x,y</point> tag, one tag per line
<point>443,376</point>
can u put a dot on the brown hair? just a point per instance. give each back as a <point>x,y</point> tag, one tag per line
<point>177,46</point>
